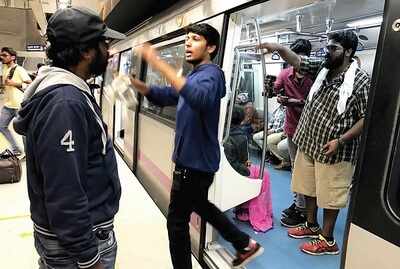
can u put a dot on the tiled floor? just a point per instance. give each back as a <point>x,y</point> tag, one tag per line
<point>139,225</point>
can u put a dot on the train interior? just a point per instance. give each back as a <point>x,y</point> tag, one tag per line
<point>311,22</point>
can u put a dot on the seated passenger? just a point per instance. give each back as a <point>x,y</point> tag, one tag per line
<point>275,135</point>
<point>280,150</point>
<point>252,122</point>
<point>236,146</point>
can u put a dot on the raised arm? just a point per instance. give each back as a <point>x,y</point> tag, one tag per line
<point>161,96</point>
<point>288,55</point>
<point>170,73</point>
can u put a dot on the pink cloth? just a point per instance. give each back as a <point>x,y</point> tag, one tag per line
<point>258,211</point>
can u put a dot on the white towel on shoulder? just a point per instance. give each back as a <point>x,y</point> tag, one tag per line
<point>345,90</point>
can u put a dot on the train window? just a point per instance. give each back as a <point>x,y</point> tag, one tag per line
<point>175,56</point>
<point>125,62</point>
<point>112,69</point>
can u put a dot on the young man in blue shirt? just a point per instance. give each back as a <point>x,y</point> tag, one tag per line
<point>196,153</point>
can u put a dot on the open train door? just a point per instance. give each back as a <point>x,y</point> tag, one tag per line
<point>374,219</point>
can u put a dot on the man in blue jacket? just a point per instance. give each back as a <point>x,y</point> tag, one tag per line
<point>73,181</point>
<point>196,153</point>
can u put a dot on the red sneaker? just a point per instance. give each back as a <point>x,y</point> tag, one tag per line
<point>304,231</point>
<point>320,247</point>
<point>242,258</point>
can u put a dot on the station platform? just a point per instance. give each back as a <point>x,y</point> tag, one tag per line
<point>139,226</point>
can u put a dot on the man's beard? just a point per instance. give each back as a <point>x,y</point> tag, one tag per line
<point>332,64</point>
<point>99,65</point>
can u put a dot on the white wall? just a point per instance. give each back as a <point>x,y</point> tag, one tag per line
<point>49,6</point>
<point>367,58</point>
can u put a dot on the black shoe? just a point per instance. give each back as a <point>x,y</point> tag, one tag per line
<point>289,211</point>
<point>294,220</point>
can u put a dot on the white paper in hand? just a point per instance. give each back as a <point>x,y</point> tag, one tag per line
<point>123,89</point>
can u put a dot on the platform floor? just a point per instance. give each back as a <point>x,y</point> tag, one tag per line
<point>140,227</point>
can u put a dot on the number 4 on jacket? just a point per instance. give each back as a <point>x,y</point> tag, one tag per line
<point>67,141</point>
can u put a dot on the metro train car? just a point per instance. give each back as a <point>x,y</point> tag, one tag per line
<point>368,230</point>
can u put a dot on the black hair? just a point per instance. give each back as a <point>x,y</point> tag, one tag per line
<point>210,34</point>
<point>301,46</point>
<point>66,56</point>
<point>10,51</point>
<point>348,40</point>
<point>237,115</point>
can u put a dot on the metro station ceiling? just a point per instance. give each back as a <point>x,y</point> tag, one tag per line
<point>128,14</point>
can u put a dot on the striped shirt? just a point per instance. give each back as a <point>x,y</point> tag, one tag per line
<point>320,121</point>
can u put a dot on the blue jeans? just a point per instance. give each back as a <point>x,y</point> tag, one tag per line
<point>54,256</point>
<point>6,116</point>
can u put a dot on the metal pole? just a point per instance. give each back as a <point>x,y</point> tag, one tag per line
<point>233,94</point>
<point>265,94</point>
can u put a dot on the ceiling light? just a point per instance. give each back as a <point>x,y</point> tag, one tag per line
<point>366,22</point>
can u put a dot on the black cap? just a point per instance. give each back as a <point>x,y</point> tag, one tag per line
<point>78,25</point>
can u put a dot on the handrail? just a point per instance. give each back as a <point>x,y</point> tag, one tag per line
<point>233,94</point>
<point>254,42</point>
<point>265,132</point>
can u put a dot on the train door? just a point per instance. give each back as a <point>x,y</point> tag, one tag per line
<point>157,131</point>
<point>246,69</point>
<point>126,107</point>
<point>108,94</point>
<point>374,227</point>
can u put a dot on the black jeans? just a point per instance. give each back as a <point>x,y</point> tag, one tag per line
<point>190,193</point>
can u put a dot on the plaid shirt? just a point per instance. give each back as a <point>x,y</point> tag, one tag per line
<point>278,120</point>
<point>320,121</point>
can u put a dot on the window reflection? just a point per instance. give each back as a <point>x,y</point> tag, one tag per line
<point>175,56</point>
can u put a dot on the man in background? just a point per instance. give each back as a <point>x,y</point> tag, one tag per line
<point>15,80</point>
<point>292,88</point>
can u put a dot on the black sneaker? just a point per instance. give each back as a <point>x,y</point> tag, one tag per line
<point>294,220</point>
<point>246,256</point>
<point>289,211</point>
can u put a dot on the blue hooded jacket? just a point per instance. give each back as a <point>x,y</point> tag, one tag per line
<point>73,182</point>
<point>197,117</point>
